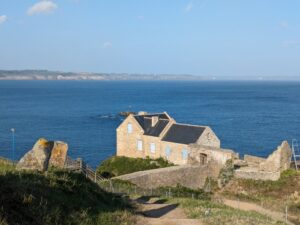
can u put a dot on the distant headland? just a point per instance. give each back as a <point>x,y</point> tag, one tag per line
<point>60,75</point>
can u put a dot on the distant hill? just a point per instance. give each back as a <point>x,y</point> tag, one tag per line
<point>57,75</point>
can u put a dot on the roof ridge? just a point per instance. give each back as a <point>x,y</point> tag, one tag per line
<point>190,125</point>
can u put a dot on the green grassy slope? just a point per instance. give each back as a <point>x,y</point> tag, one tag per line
<point>119,165</point>
<point>57,197</point>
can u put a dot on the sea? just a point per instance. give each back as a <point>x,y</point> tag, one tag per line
<point>250,117</point>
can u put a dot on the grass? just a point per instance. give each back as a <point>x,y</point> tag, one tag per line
<point>57,197</point>
<point>270,194</point>
<point>120,165</point>
<point>6,166</point>
<point>220,213</point>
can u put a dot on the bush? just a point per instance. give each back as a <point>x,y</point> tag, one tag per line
<point>120,165</point>
<point>181,191</point>
<point>227,172</point>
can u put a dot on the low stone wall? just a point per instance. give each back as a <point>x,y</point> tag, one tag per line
<point>255,174</point>
<point>188,176</point>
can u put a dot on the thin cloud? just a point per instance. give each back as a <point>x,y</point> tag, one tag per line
<point>140,17</point>
<point>284,24</point>
<point>44,6</point>
<point>3,18</point>
<point>290,43</point>
<point>107,44</point>
<point>189,7</point>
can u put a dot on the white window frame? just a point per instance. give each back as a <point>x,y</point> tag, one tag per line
<point>183,155</point>
<point>152,147</point>
<point>168,152</point>
<point>129,128</point>
<point>139,145</point>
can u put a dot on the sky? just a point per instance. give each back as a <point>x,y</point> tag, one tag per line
<point>199,37</point>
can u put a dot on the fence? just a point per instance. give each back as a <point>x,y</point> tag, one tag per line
<point>126,188</point>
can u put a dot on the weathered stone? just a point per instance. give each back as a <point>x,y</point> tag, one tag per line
<point>267,169</point>
<point>239,163</point>
<point>253,160</point>
<point>58,154</point>
<point>279,160</point>
<point>38,157</point>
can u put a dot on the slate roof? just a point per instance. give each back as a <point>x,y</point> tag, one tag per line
<point>145,122</point>
<point>183,134</point>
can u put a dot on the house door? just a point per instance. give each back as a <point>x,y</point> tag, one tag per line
<point>203,159</point>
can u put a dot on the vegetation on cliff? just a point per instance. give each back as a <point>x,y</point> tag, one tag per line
<point>275,195</point>
<point>57,197</point>
<point>120,165</point>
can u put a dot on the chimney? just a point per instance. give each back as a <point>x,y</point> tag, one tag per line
<point>142,113</point>
<point>154,120</point>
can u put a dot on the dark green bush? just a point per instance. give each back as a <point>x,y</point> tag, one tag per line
<point>119,165</point>
<point>181,191</point>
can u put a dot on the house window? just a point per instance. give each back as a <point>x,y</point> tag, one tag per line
<point>129,128</point>
<point>184,154</point>
<point>152,147</point>
<point>140,145</point>
<point>168,152</point>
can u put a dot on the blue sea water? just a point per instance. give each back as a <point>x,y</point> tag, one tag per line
<point>249,117</point>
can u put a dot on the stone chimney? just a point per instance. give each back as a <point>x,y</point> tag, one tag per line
<point>154,120</point>
<point>142,113</point>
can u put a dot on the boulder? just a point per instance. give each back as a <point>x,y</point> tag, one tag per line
<point>58,154</point>
<point>43,155</point>
<point>38,157</point>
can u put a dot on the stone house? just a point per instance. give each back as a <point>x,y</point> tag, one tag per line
<point>159,135</point>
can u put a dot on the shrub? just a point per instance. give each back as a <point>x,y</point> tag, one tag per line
<point>182,191</point>
<point>120,165</point>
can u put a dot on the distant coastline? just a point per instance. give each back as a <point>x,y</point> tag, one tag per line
<point>59,75</point>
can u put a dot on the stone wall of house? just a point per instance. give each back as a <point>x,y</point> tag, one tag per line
<point>176,149</point>
<point>127,142</point>
<point>215,157</point>
<point>147,140</point>
<point>187,175</point>
<point>209,138</point>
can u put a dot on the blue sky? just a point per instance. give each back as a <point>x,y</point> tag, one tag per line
<point>200,37</point>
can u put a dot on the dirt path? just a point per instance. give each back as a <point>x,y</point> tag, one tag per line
<point>163,214</point>
<point>246,206</point>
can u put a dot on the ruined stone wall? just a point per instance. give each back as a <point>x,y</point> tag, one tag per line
<point>279,160</point>
<point>188,176</point>
<point>266,169</point>
<point>250,159</point>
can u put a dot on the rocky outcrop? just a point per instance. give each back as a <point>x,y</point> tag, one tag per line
<point>58,154</point>
<point>44,154</point>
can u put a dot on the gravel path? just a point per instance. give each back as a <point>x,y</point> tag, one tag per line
<point>163,214</point>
